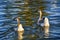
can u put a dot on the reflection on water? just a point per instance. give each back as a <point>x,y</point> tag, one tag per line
<point>20,35</point>
<point>28,13</point>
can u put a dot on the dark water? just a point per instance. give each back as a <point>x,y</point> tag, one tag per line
<point>28,14</point>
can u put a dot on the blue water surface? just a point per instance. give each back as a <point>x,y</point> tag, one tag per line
<point>9,10</point>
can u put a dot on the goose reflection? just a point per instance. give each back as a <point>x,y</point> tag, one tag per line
<point>44,23</point>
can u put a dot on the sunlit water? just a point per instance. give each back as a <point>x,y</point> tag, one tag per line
<point>10,10</point>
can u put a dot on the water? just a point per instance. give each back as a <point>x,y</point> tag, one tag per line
<point>28,15</point>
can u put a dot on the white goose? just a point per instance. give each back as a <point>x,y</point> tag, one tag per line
<point>44,22</point>
<point>20,29</point>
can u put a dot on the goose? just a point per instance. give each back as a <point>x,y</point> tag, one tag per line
<point>20,29</point>
<point>44,22</point>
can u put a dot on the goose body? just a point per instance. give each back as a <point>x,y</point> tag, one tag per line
<point>46,26</point>
<point>44,22</point>
<point>20,28</point>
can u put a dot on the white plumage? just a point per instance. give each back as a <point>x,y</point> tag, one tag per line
<point>20,28</point>
<point>44,22</point>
